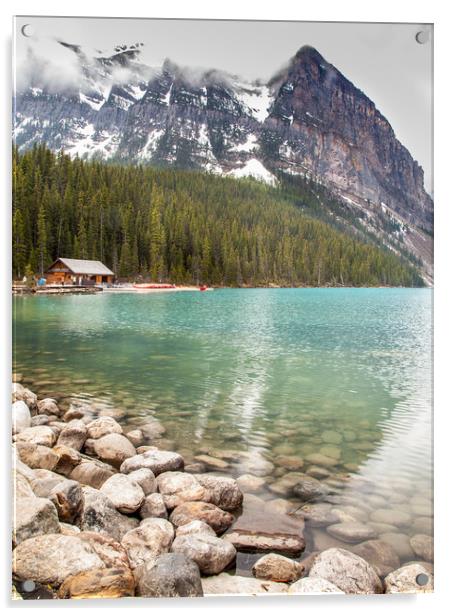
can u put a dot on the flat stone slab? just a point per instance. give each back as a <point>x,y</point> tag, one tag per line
<point>225,584</point>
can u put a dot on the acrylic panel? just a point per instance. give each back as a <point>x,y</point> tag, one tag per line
<point>222,308</point>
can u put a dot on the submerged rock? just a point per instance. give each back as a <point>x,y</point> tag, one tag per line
<point>277,568</point>
<point>380,555</point>
<point>309,488</point>
<point>215,517</point>
<point>211,462</point>
<point>423,546</point>
<point>407,578</point>
<point>125,494</point>
<point>170,575</point>
<point>50,559</point>
<point>250,483</point>
<point>347,571</point>
<point>400,543</point>
<point>157,461</point>
<point>318,514</point>
<point>351,532</point>
<point>211,554</point>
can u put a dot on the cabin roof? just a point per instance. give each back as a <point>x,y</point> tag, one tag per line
<point>84,266</point>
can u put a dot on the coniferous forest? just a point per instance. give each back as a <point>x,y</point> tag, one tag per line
<point>183,227</point>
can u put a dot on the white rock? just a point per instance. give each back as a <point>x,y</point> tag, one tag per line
<point>225,584</point>
<point>102,426</point>
<point>21,416</point>
<point>197,527</point>
<point>349,572</point>
<point>125,494</point>
<point>37,435</point>
<point>314,586</point>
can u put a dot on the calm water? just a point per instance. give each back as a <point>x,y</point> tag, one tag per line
<point>267,373</point>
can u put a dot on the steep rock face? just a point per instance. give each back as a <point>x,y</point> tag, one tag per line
<point>308,121</point>
<point>320,124</point>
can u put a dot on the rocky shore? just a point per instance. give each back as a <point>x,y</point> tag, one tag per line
<point>103,513</point>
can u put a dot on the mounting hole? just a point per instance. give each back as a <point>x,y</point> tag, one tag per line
<point>423,37</point>
<point>27,30</point>
<point>28,586</point>
<point>422,579</point>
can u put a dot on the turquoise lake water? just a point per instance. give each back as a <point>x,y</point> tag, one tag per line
<point>266,373</point>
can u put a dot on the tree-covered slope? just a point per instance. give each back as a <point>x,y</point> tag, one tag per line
<point>187,227</point>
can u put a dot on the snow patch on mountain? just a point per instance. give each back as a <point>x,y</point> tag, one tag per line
<point>255,169</point>
<point>257,99</point>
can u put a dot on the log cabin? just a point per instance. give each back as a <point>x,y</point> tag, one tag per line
<point>80,272</point>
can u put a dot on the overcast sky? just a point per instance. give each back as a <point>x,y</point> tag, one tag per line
<point>383,60</point>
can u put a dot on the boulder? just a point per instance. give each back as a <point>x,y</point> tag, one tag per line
<point>92,473</point>
<point>50,559</point>
<point>309,488</point>
<point>224,492</point>
<point>197,527</point>
<point>211,554</point>
<point>114,448</point>
<point>21,486</point>
<point>170,575</point>
<point>157,461</point>
<point>153,507</point>
<point>347,571</point>
<point>277,568</point>
<point>314,586</point>
<point>145,478</point>
<point>380,555</point>
<point>318,515</point>
<point>37,435</point>
<point>21,416</point>
<point>352,532</point>
<point>48,406</point>
<point>423,546</point>
<point>101,583</point>
<point>102,426</point>
<point>125,494</point>
<point>152,538</point>
<point>177,487</point>
<point>67,496</point>
<point>40,420</point>
<point>111,552</point>
<point>19,392</point>
<point>43,482</point>
<point>136,437</point>
<point>407,578</point>
<point>225,584</point>
<point>100,515</point>
<point>73,435</point>
<point>215,517</point>
<point>37,456</point>
<point>34,516</point>
<point>68,459</point>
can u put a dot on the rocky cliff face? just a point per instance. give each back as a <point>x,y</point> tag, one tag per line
<point>309,120</point>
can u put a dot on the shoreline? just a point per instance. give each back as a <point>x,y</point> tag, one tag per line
<point>103,513</point>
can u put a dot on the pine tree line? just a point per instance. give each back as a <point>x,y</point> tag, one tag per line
<point>181,226</point>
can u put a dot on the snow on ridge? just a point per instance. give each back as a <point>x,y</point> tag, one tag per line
<point>256,98</point>
<point>151,144</point>
<point>249,145</point>
<point>254,168</point>
<point>96,105</point>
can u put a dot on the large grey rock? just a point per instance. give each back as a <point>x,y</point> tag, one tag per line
<point>48,406</point>
<point>347,571</point>
<point>224,491</point>
<point>21,416</point>
<point>211,554</point>
<point>136,437</point>
<point>379,554</point>
<point>125,494</point>
<point>314,586</point>
<point>277,568</point>
<point>37,456</point>
<point>114,449</point>
<point>92,473</point>
<point>225,584</point>
<point>67,496</point>
<point>146,479</point>
<point>100,515</point>
<point>215,517</point>
<point>34,516</point>
<point>153,507</point>
<point>423,546</point>
<point>177,488</point>
<point>170,575</point>
<point>152,538</point>
<point>352,532</point>
<point>21,485</point>
<point>19,392</point>
<point>102,426</point>
<point>43,481</point>
<point>74,435</point>
<point>157,461</point>
<point>37,435</point>
<point>50,559</point>
<point>406,580</point>
<point>68,459</point>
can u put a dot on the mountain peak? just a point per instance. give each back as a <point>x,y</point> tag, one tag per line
<point>309,52</point>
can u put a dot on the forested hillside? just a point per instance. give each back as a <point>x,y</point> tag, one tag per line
<point>182,226</point>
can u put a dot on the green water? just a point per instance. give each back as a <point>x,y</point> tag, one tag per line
<point>262,372</point>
